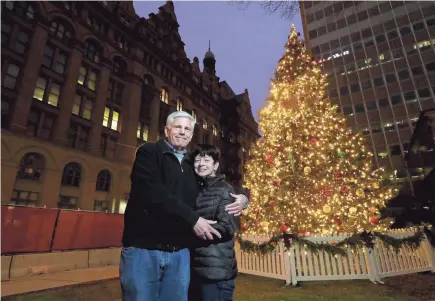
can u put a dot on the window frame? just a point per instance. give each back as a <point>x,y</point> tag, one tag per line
<point>110,119</point>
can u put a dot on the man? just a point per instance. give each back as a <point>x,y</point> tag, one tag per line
<point>160,217</point>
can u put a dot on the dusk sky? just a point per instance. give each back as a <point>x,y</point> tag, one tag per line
<point>247,43</point>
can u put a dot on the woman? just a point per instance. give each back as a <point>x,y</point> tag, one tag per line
<point>213,263</point>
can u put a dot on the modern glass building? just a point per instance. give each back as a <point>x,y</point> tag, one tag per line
<point>380,62</point>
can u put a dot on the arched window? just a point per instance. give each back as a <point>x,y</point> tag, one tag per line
<point>215,132</point>
<point>23,9</point>
<point>164,95</point>
<point>92,51</point>
<point>204,124</point>
<point>72,174</point>
<point>118,66</point>
<point>179,105</point>
<point>31,166</point>
<point>104,179</point>
<point>61,31</point>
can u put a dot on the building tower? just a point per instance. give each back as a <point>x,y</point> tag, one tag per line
<point>209,60</point>
<point>380,61</point>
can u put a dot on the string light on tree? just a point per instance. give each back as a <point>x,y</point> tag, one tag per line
<point>310,173</point>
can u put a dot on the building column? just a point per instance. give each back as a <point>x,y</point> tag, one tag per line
<point>51,188</point>
<point>199,133</point>
<point>154,114</point>
<point>68,93</point>
<point>9,174</point>
<point>98,108</point>
<point>87,194</point>
<point>131,100</point>
<point>30,75</point>
<point>211,137</point>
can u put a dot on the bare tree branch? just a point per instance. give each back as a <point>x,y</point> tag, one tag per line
<point>287,8</point>
<point>241,5</point>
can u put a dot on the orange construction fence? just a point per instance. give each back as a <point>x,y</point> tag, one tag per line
<point>27,230</point>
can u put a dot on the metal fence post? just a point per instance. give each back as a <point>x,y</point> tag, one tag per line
<point>54,230</point>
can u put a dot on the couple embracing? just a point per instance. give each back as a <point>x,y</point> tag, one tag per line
<point>179,222</point>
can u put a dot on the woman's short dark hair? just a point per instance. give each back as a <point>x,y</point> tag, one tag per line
<point>207,150</point>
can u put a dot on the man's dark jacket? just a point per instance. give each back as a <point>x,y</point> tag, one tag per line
<point>160,211</point>
<point>215,260</point>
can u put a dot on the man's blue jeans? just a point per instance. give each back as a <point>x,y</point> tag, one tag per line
<point>151,275</point>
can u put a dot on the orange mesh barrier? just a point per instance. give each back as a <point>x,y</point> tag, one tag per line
<point>26,229</point>
<point>87,230</point>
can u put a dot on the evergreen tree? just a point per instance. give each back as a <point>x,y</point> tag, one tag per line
<point>309,174</point>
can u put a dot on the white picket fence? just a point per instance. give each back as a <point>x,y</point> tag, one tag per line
<point>300,264</point>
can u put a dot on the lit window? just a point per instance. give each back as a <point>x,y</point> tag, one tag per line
<point>215,131</point>
<point>39,91</point>
<point>142,132</point>
<point>204,124</point>
<point>179,105</point>
<point>82,106</point>
<point>53,96</point>
<point>164,95</point>
<point>92,79</point>
<point>82,76</point>
<point>43,85</point>
<point>194,114</point>
<point>383,154</point>
<point>110,119</point>
<point>87,78</point>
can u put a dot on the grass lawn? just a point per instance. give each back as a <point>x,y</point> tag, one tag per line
<point>251,288</point>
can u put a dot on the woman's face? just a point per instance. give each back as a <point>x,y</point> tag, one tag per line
<point>205,166</point>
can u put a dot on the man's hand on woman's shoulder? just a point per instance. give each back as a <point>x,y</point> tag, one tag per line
<point>238,205</point>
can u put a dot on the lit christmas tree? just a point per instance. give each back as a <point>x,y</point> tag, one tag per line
<point>310,174</point>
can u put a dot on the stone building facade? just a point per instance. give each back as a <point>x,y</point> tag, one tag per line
<point>85,83</point>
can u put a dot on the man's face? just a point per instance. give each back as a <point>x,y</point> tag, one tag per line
<point>205,166</point>
<point>180,132</point>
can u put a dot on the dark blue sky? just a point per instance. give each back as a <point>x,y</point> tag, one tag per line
<point>247,43</point>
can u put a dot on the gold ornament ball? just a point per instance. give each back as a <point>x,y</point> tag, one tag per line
<point>307,170</point>
<point>376,185</point>
<point>326,209</point>
<point>360,192</point>
<point>352,210</point>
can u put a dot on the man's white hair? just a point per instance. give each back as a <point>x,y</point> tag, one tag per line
<point>178,114</point>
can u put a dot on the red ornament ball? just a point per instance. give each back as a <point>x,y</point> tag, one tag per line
<point>268,159</point>
<point>283,228</point>
<point>374,220</point>
<point>272,204</point>
<point>281,147</point>
<point>314,140</point>
<point>337,221</point>
<point>338,175</point>
<point>243,227</point>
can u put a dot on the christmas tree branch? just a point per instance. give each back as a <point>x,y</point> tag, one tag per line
<point>363,239</point>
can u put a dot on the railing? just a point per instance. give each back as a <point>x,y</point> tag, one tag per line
<point>300,264</point>
<point>30,230</point>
